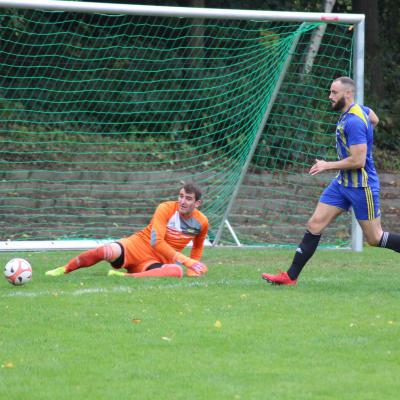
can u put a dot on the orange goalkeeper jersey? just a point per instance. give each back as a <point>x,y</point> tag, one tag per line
<point>163,240</point>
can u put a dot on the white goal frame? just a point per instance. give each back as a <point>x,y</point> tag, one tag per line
<point>165,11</point>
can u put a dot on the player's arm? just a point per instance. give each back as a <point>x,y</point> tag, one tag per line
<point>356,131</point>
<point>373,118</point>
<point>198,242</point>
<point>197,249</point>
<point>371,115</point>
<point>356,160</point>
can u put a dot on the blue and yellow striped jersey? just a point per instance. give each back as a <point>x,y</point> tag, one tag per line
<point>354,127</point>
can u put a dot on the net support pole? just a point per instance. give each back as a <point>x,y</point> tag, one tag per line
<point>233,233</point>
<point>256,139</point>
<point>358,60</point>
<point>180,12</point>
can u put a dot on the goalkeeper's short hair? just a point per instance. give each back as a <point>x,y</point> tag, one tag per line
<point>191,187</point>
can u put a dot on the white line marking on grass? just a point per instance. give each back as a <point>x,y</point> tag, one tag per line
<point>128,289</point>
<point>78,292</point>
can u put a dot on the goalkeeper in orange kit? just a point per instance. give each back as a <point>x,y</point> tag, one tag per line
<point>155,251</point>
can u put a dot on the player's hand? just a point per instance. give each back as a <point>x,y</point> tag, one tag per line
<point>319,166</point>
<point>198,267</point>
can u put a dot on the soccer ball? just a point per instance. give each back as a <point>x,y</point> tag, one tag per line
<point>18,271</point>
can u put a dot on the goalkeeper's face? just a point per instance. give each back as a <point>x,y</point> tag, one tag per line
<point>187,202</point>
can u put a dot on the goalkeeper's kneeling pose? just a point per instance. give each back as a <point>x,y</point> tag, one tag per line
<point>156,250</point>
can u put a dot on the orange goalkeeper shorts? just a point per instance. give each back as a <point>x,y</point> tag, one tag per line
<point>139,255</point>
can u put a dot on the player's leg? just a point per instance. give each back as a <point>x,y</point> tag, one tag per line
<point>141,261</point>
<point>152,271</point>
<point>375,236</point>
<point>372,230</point>
<point>323,215</point>
<point>332,203</point>
<point>107,252</point>
<point>366,209</point>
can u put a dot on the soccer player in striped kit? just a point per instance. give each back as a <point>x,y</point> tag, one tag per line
<point>355,185</point>
<point>155,251</point>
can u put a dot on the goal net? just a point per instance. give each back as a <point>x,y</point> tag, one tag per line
<point>104,114</point>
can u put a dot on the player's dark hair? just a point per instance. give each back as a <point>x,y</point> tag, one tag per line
<point>191,187</point>
<point>345,80</point>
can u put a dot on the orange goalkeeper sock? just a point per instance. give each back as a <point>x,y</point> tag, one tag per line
<point>89,258</point>
<point>167,270</point>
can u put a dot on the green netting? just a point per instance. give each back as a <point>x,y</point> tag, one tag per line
<point>278,195</point>
<point>103,116</point>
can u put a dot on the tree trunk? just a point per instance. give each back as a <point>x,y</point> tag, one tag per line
<point>316,39</point>
<point>196,41</point>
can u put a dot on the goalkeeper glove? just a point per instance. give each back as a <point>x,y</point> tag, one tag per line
<point>190,263</point>
<point>199,268</point>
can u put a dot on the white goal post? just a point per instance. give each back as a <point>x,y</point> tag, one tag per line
<point>208,177</point>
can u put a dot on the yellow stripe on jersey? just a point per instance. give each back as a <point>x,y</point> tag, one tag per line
<point>364,178</point>
<point>342,137</point>
<point>354,177</point>
<point>345,179</point>
<point>344,141</point>
<point>357,110</point>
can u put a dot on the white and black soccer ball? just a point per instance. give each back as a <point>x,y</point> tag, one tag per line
<point>18,271</point>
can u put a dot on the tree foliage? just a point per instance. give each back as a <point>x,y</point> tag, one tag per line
<point>382,72</point>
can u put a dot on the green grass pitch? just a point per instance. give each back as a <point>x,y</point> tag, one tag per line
<point>229,335</point>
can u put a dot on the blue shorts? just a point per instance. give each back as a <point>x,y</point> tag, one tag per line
<point>364,200</point>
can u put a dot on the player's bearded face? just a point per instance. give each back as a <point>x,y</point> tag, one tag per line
<point>187,202</point>
<point>338,104</point>
<point>339,96</point>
